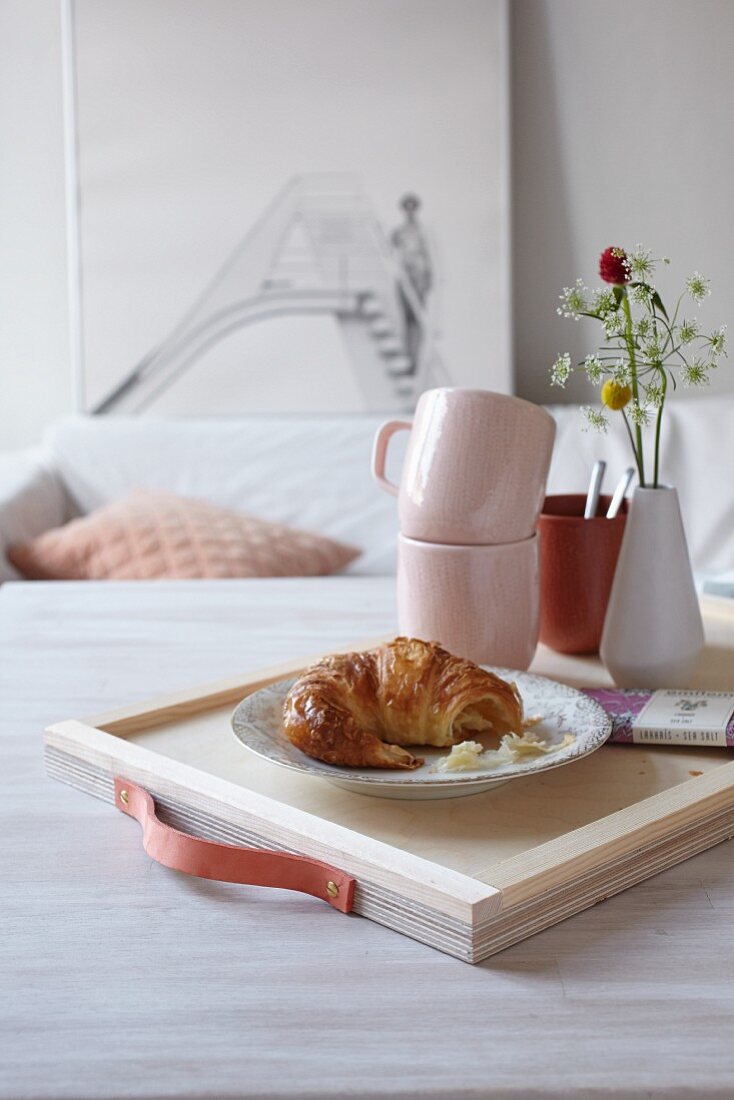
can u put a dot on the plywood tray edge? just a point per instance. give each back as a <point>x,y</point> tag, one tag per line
<point>636,827</point>
<point>443,889</point>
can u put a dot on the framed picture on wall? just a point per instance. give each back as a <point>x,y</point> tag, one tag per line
<point>288,205</point>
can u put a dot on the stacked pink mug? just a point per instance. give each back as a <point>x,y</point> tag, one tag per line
<point>472,487</point>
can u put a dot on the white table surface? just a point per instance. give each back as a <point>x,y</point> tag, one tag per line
<point>123,979</point>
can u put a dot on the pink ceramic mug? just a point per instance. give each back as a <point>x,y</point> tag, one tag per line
<point>475,468</point>
<point>480,602</point>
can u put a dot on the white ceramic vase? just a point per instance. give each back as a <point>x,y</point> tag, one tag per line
<point>653,633</point>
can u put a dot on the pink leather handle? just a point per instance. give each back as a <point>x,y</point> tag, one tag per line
<point>379,452</point>
<point>227,862</point>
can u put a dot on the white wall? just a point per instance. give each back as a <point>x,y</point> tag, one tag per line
<point>35,373</point>
<point>622,131</point>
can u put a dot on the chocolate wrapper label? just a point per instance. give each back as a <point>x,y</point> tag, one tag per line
<point>684,717</point>
<point>670,717</point>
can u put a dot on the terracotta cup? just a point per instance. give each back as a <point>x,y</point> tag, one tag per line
<point>475,468</point>
<point>577,561</point>
<point>480,602</point>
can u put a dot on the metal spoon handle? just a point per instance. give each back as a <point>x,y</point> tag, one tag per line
<point>619,492</point>
<point>592,498</point>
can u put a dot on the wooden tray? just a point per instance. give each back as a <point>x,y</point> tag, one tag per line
<point>468,876</point>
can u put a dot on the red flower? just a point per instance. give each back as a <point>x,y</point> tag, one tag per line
<point>614,267</point>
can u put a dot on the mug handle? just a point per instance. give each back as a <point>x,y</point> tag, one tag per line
<point>379,452</point>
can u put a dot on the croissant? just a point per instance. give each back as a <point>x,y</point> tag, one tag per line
<point>360,708</point>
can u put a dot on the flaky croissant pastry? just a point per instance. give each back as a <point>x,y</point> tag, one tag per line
<point>359,708</point>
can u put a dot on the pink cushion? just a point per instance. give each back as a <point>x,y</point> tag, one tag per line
<point>152,534</point>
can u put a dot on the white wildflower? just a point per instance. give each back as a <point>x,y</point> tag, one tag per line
<point>717,340</point>
<point>574,300</point>
<point>652,350</point>
<point>639,414</point>
<point>621,373</point>
<point>595,419</point>
<point>688,331</point>
<point>594,369</point>
<point>654,394</point>
<point>695,373</point>
<point>641,264</point>
<point>604,302</point>
<point>698,286</point>
<point>614,324</point>
<point>561,370</point>
<point>642,294</point>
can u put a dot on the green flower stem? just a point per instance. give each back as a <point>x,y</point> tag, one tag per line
<point>629,339</point>
<point>634,449</point>
<point>659,424</point>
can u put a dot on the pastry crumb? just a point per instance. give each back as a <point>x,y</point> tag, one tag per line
<point>514,747</point>
<point>528,744</point>
<point>462,758</point>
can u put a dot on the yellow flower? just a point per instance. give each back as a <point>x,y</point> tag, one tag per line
<point>614,395</point>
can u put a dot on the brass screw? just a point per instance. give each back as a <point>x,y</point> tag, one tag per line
<point>332,889</point>
<point>124,797</point>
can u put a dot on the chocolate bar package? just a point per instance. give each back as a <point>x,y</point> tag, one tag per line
<point>668,717</point>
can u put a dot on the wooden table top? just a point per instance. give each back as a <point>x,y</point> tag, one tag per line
<point>123,979</point>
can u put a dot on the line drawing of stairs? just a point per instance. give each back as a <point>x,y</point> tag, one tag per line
<point>317,250</point>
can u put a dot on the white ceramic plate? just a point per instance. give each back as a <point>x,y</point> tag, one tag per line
<point>257,723</point>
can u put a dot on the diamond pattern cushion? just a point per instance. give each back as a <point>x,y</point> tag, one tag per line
<point>153,534</point>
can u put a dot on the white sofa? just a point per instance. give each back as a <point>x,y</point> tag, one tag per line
<point>313,472</point>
